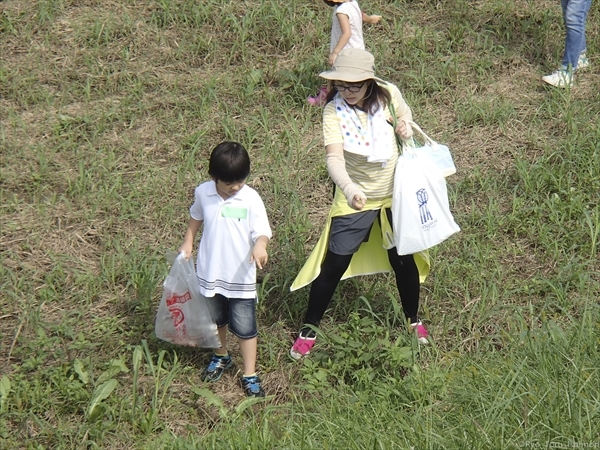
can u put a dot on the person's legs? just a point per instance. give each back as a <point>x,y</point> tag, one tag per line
<point>321,292</point>
<point>218,307</point>
<point>574,15</point>
<point>346,235</point>
<point>407,282</point>
<point>222,350</point>
<point>322,289</point>
<point>248,349</point>
<point>242,323</point>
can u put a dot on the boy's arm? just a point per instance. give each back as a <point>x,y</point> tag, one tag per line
<point>188,241</point>
<point>259,252</point>
<point>370,19</point>
<point>344,38</point>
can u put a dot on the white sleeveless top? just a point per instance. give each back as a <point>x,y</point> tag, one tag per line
<point>352,10</point>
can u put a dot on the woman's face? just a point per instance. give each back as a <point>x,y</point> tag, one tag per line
<point>352,93</point>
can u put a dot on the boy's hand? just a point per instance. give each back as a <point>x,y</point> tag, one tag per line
<point>187,250</point>
<point>259,252</point>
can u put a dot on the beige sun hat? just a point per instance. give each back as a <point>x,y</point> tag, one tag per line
<point>352,65</point>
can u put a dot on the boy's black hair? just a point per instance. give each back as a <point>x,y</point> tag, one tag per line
<point>329,3</point>
<point>229,162</point>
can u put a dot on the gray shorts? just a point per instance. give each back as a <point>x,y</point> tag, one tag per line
<point>347,233</point>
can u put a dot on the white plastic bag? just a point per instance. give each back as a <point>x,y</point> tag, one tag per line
<point>183,317</point>
<point>438,153</point>
<point>420,208</point>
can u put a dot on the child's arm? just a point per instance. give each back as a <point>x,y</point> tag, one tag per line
<point>259,252</point>
<point>188,241</point>
<point>344,38</point>
<point>370,19</point>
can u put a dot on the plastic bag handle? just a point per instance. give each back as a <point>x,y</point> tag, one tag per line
<point>418,128</point>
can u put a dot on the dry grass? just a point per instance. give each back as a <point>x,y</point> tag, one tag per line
<point>107,117</point>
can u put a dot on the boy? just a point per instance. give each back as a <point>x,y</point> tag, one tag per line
<point>234,241</point>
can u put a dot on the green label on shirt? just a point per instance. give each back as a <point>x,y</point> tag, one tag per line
<point>231,212</point>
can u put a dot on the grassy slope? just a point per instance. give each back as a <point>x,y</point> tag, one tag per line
<point>108,111</point>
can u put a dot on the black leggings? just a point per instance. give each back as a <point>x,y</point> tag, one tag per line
<point>334,266</point>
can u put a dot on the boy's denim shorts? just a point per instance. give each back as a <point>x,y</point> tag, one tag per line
<point>238,313</point>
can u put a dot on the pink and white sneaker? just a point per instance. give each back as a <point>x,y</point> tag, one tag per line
<point>304,343</point>
<point>421,332</point>
<point>319,99</point>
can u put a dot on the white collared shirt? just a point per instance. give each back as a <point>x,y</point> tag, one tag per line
<point>230,230</point>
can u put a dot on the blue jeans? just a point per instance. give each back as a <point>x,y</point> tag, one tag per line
<point>574,15</point>
<point>239,313</point>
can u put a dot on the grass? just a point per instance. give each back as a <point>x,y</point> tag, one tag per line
<point>108,111</point>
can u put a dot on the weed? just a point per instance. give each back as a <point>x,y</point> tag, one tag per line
<point>107,117</point>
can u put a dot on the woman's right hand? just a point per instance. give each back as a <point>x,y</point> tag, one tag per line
<point>358,201</point>
<point>404,130</point>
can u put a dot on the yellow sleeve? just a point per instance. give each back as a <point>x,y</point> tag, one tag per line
<point>332,133</point>
<point>400,106</point>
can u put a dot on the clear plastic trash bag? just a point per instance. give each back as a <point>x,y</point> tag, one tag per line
<point>183,317</point>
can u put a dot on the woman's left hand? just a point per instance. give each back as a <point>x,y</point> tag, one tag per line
<point>404,130</point>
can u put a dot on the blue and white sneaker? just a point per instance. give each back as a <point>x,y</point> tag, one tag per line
<point>252,386</point>
<point>216,367</point>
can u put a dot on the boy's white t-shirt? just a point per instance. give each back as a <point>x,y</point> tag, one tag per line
<point>230,230</point>
<point>352,10</point>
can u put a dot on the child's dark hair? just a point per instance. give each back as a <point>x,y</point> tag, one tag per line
<point>374,97</point>
<point>330,3</point>
<point>229,162</point>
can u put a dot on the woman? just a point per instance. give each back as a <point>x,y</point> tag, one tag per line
<point>358,127</point>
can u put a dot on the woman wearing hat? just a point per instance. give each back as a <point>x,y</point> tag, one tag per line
<point>358,128</point>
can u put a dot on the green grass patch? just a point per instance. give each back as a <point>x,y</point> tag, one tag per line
<point>108,112</point>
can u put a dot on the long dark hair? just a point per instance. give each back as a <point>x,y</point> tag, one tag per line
<point>375,97</point>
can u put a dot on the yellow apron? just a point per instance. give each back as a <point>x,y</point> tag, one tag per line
<point>371,256</point>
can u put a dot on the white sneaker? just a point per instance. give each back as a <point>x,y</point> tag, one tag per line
<point>561,78</point>
<point>583,62</point>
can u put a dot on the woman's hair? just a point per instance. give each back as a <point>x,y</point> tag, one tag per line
<point>330,3</point>
<point>229,162</point>
<point>375,96</point>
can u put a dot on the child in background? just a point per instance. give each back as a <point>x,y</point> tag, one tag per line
<point>575,14</point>
<point>346,32</point>
<point>234,242</point>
